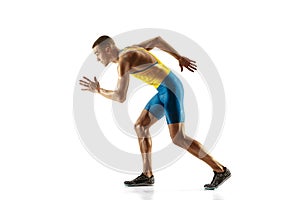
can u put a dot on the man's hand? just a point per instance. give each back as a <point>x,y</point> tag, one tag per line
<point>187,63</point>
<point>90,85</point>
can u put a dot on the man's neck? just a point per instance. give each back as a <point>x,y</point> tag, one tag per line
<point>115,58</point>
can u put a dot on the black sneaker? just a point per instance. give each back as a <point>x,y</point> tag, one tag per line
<point>141,180</point>
<point>219,178</point>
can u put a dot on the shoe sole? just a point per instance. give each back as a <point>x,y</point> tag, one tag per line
<point>139,185</point>
<point>213,188</point>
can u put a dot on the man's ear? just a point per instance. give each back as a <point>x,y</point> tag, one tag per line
<point>107,49</point>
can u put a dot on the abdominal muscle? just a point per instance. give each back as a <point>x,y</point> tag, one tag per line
<point>154,75</point>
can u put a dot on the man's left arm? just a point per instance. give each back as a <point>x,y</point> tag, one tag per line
<point>160,43</point>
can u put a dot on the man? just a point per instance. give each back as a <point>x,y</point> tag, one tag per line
<point>137,61</point>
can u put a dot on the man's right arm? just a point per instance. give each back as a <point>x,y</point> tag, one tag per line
<point>122,86</point>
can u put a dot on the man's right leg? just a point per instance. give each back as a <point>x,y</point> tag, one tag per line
<point>142,125</point>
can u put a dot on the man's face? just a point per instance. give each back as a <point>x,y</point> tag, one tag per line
<point>101,54</point>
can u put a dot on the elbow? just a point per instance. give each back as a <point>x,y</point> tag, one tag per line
<point>122,100</point>
<point>157,40</point>
<point>153,43</point>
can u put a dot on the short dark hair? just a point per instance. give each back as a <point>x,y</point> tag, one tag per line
<point>104,39</point>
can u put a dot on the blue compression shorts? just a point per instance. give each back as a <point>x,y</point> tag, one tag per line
<point>168,101</point>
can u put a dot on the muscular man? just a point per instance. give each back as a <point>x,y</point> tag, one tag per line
<point>137,61</point>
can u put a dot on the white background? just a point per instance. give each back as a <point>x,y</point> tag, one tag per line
<point>254,45</point>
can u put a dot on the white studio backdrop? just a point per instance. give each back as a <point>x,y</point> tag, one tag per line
<point>253,44</point>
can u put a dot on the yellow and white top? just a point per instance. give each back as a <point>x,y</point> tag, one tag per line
<point>152,74</point>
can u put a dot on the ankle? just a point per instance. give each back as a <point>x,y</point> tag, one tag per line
<point>148,174</point>
<point>220,169</point>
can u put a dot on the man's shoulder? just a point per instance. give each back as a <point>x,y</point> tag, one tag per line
<point>130,51</point>
<point>132,48</point>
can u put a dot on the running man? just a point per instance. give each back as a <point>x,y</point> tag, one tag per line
<point>137,61</point>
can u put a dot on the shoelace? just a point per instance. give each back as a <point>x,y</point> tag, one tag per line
<point>215,179</point>
<point>140,177</point>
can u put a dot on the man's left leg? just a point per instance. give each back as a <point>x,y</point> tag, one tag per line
<point>179,137</point>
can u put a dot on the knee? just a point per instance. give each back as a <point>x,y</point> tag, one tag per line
<point>138,127</point>
<point>178,138</point>
<point>141,129</point>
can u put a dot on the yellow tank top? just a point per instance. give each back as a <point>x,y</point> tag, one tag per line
<point>146,75</point>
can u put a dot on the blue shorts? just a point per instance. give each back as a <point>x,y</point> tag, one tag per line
<point>168,101</point>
